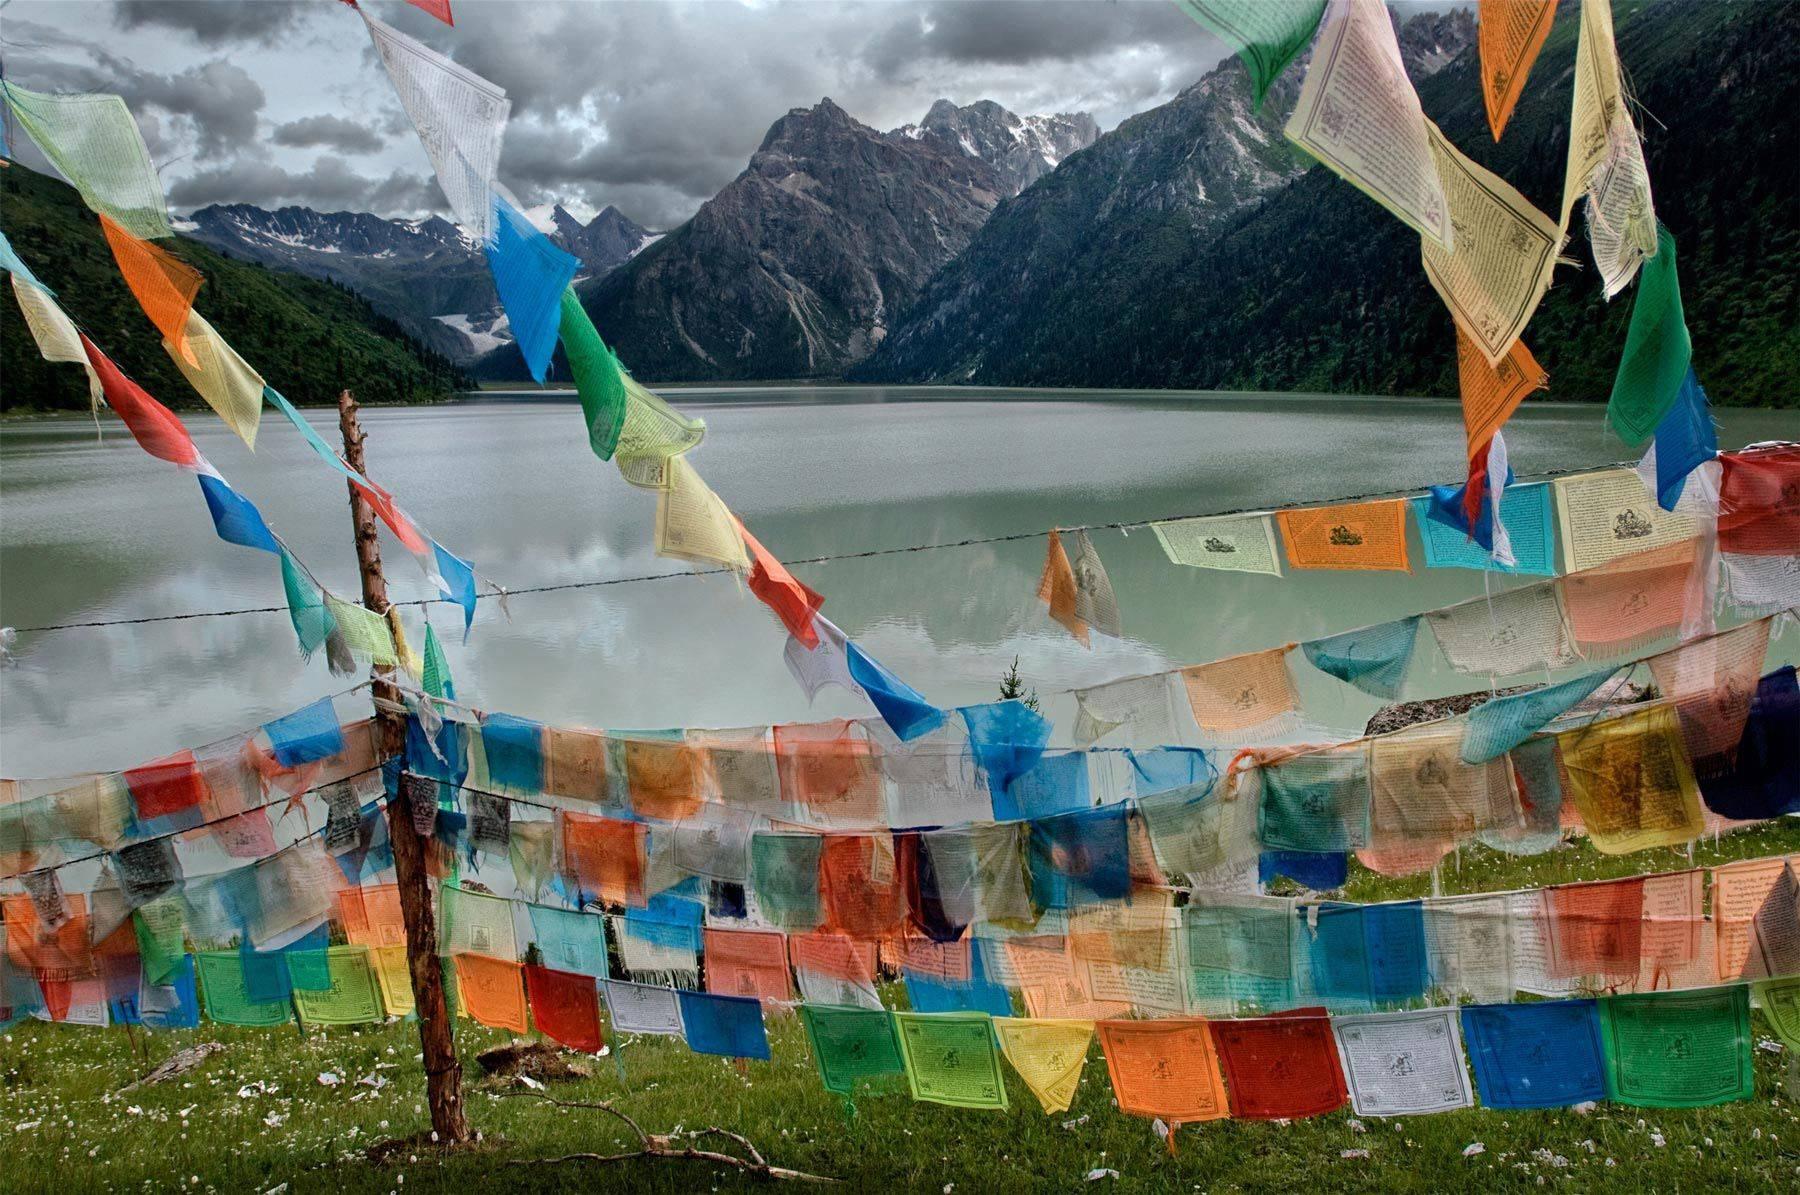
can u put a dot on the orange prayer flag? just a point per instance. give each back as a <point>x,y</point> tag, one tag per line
<point>1234,696</point>
<point>666,777</point>
<point>1362,535</point>
<point>1509,35</point>
<point>1491,393</point>
<point>491,991</point>
<point>605,856</point>
<point>1164,1068</point>
<point>1057,588</point>
<point>163,283</point>
<point>792,600</point>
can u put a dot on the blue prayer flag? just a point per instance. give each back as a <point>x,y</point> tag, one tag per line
<point>459,577</point>
<point>515,752</point>
<point>1685,440</point>
<point>1544,1055</point>
<point>308,734</point>
<point>1498,726</point>
<point>979,994</point>
<point>569,940</point>
<point>1374,659</point>
<point>1085,854</point>
<point>1763,779</point>
<point>668,920</point>
<point>235,517</point>
<point>731,1026</point>
<point>530,273</point>
<point>1058,783</point>
<point>174,1003</point>
<point>1319,870</point>
<point>11,263</point>
<point>906,712</point>
<point>1165,769</point>
<point>1530,522</point>
<point>1006,738</point>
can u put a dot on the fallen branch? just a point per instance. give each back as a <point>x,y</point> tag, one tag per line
<point>177,1063</point>
<point>667,1145</point>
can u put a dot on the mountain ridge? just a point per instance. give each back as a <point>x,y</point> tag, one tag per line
<point>1312,287</point>
<point>309,338</point>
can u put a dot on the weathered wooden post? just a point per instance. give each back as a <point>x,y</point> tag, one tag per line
<point>443,1073</point>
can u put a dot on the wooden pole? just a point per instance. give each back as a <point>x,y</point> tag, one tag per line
<point>443,1073</point>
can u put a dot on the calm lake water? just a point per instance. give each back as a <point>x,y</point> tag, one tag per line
<point>96,530</point>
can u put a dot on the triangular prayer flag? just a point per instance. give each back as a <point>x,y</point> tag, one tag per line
<point>1509,34</point>
<point>1658,351</point>
<point>1048,1055</point>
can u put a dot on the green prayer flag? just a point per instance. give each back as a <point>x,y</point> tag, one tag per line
<point>851,1045</point>
<point>1678,1049</point>
<point>365,631</point>
<point>784,875</point>
<point>306,606</point>
<point>1780,1002</point>
<point>598,378</point>
<point>352,997</point>
<point>93,141</point>
<point>227,999</point>
<point>436,679</point>
<point>1657,350</point>
<point>1266,34</point>
<point>951,1058</point>
<point>161,929</point>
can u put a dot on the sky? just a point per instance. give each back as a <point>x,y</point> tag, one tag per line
<point>650,105</point>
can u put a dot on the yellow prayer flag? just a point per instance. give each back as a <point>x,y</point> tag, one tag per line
<point>224,379</point>
<point>1629,778</point>
<point>1048,1055</point>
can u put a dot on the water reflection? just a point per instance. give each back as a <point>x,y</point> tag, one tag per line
<point>98,530</point>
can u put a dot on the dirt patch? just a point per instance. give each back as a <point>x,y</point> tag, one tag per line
<point>534,1060</point>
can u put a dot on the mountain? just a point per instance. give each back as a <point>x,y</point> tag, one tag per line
<point>1116,271</point>
<point>309,338</point>
<point>424,274</point>
<point>795,268</point>
<point>1021,149</point>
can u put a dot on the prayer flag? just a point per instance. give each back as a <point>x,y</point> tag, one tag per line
<point>491,991</point>
<point>1526,512</point>
<point>308,734</point>
<point>599,379</point>
<point>531,274</point>
<point>155,427</point>
<point>569,940</point>
<point>1316,800</point>
<point>748,962</point>
<point>1266,34</point>
<point>1509,35</point>
<point>1374,659</point>
<point>1403,1063</point>
<point>902,707</point>
<point>234,517</point>
<point>950,1058</point>
<point>225,380</point>
<point>94,142</point>
<point>459,116</point>
<point>1630,778</point>
<point>1497,726</point>
<point>1240,698</point>
<point>1280,1067</point>
<point>1780,1003</point>
<point>1517,630</point>
<point>163,284</point>
<point>1164,1068</point>
<point>1048,1055</point>
<point>693,524</point>
<point>1057,589</point>
<point>1359,115</point>
<point>1546,1055</point>
<point>1363,535</point>
<point>1678,1049</point>
<point>1759,503</point>
<point>1492,391</point>
<point>565,1007</point>
<point>643,1008</point>
<point>1685,440</point>
<point>165,786</point>
<point>731,1026</point>
<point>1606,160</point>
<point>224,989</point>
<point>784,875</point>
<point>1234,543</point>
<point>851,1045</point>
<point>1657,350</point>
<point>350,996</point>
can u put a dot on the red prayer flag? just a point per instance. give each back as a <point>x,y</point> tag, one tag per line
<point>1759,502</point>
<point>565,1007</point>
<point>167,785</point>
<point>152,425</point>
<point>1280,1067</point>
<point>793,602</point>
<point>437,8</point>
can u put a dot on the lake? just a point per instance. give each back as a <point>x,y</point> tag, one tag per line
<point>96,529</point>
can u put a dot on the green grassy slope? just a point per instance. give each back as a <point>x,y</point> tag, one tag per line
<point>309,339</point>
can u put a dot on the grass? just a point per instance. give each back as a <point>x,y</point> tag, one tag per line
<point>214,1130</point>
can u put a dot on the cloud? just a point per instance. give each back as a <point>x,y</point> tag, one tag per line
<point>333,132</point>
<point>330,184</point>
<point>214,23</point>
<point>218,99</point>
<point>1019,34</point>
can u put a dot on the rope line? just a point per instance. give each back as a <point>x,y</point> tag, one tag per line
<point>974,541</point>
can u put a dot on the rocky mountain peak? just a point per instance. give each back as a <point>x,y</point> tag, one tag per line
<point>1021,149</point>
